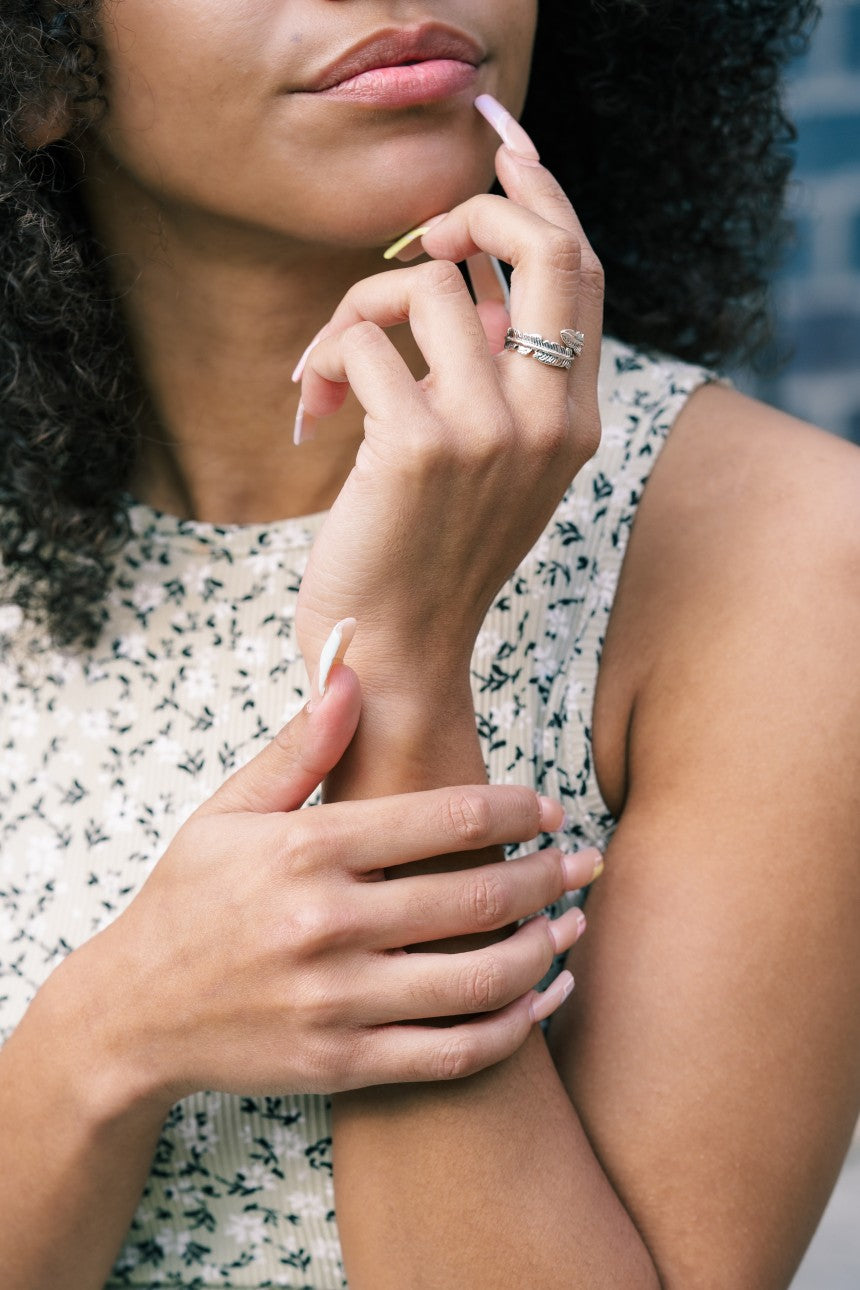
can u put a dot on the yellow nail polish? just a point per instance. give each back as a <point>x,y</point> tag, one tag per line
<point>404,241</point>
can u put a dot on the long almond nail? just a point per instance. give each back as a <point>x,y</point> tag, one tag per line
<point>543,1005</point>
<point>333,651</point>
<point>300,365</point>
<point>509,130</point>
<point>305,427</point>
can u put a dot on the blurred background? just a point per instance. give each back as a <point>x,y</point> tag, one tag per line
<point>817,298</point>
<point>818,291</point>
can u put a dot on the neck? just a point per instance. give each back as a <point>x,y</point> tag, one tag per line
<point>218,317</point>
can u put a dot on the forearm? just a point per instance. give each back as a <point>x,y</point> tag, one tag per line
<point>485,1181</point>
<point>77,1143</point>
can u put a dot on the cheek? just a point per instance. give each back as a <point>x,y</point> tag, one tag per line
<point>178,79</point>
<point>515,23</point>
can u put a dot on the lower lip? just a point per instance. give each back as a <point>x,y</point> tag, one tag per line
<point>394,87</point>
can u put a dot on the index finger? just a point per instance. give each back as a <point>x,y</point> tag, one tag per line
<point>384,832</point>
<point>569,296</point>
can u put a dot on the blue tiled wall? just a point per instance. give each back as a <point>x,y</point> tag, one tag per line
<point>818,292</point>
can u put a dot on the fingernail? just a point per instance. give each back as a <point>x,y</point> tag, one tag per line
<point>551,814</point>
<point>553,997</point>
<point>576,867</point>
<point>305,427</point>
<point>394,251</point>
<point>566,929</point>
<point>300,365</point>
<point>332,652</point>
<point>509,130</point>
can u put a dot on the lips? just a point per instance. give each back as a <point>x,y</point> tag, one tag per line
<point>396,47</point>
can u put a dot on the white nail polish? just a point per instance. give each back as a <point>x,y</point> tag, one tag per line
<point>300,422</point>
<point>306,425</point>
<point>332,652</point>
<point>509,130</point>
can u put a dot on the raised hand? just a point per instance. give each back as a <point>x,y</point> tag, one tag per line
<point>459,471</point>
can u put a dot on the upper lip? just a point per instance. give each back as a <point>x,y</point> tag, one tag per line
<point>397,45</point>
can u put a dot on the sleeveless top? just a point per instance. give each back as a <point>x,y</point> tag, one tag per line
<point>104,754</point>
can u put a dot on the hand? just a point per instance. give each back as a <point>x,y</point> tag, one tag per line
<point>261,957</point>
<point>459,472</point>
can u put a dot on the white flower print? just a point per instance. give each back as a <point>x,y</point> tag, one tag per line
<point>544,662</point>
<point>133,646</point>
<point>198,1135</point>
<point>94,724</point>
<point>11,618</point>
<point>172,1241</point>
<point>199,682</point>
<point>246,1228</point>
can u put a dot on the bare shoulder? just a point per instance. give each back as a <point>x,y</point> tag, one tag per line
<point>749,529</point>
<point>712,1045</point>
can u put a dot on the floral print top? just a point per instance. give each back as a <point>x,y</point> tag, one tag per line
<point>104,754</point>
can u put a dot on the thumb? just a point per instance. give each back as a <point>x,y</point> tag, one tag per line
<point>286,772</point>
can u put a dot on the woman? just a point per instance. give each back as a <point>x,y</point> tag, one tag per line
<point>192,193</point>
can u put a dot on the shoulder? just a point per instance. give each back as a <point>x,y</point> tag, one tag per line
<point>744,495</point>
<point>746,547</point>
<point>725,926</point>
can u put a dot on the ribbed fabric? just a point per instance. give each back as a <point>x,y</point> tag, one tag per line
<point>104,754</point>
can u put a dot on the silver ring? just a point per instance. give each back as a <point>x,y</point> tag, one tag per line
<point>546,351</point>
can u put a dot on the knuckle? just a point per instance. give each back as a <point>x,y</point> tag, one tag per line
<point>314,927</point>
<point>488,901</point>
<point>442,277</point>
<point>297,845</point>
<point>485,441</point>
<point>588,436</point>
<point>592,278</point>
<point>323,1063</point>
<point>455,1058</point>
<point>483,986</point>
<point>552,873</point>
<point>365,334</point>
<point>468,818</point>
<point>550,437</point>
<point>563,253</point>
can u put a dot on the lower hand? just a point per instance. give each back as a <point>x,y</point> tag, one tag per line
<point>261,956</point>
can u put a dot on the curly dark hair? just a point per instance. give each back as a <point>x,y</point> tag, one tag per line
<point>661,118</point>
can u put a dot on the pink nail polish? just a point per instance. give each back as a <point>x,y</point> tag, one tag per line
<point>552,815</point>
<point>543,1005</point>
<point>509,130</point>
<point>581,868</point>
<point>567,929</point>
<point>305,427</point>
<point>300,366</point>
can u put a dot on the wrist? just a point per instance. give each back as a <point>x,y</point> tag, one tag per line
<point>414,680</point>
<point>95,1030</point>
<point>411,737</point>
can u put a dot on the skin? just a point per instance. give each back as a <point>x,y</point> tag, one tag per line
<point>675,1133</point>
<point>238,208</point>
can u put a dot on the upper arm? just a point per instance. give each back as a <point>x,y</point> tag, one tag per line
<point>712,1046</point>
